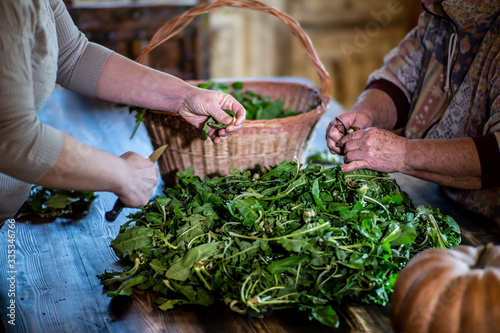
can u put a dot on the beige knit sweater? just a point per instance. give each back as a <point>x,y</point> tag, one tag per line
<point>39,46</point>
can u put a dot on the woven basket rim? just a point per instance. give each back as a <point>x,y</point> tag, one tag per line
<point>316,112</point>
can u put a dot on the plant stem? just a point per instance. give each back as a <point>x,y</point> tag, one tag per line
<point>482,259</point>
<point>321,226</point>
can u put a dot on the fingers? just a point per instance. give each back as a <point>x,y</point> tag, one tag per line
<point>333,133</point>
<point>374,149</point>
<point>206,103</point>
<point>337,140</point>
<point>235,123</point>
<point>356,135</point>
<point>222,116</point>
<point>214,135</point>
<point>353,166</point>
<point>140,179</point>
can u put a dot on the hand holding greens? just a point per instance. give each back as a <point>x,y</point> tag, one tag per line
<point>294,236</point>
<point>256,106</point>
<point>213,123</point>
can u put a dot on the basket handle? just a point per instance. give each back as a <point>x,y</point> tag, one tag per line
<point>177,24</point>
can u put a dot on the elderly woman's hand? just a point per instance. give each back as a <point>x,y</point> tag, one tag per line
<point>375,149</point>
<point>339,126</point>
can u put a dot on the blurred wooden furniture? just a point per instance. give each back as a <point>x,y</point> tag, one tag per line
<point>127,27</point>
<point>351,38</point>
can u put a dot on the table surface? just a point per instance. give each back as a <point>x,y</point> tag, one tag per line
<point>56,263</point>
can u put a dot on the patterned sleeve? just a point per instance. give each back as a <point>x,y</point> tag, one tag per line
<point>80,62</point>
<point>488,144</point>
<point>402,65</point>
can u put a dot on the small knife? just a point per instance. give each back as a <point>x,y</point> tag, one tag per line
<point>344,129</point>
<point>117,208</point>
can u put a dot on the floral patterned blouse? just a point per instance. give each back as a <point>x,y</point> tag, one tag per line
<point>444,78</point>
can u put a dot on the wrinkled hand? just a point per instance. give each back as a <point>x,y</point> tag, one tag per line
<point>139,180</point>
<point>373,148</point>
<point>335,131</point>
<point>201,104</point>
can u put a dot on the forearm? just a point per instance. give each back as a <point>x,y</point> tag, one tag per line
<point>81,167</point>
<point>453,162</point>
<point>128,82</point>
<point>378,107</point>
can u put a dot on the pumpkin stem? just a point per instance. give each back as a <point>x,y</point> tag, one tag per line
<point>483,256</point>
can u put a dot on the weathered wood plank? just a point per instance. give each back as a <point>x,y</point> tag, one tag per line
<point>49,280</point>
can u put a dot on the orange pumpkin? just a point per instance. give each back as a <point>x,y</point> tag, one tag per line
<point>449,290</point>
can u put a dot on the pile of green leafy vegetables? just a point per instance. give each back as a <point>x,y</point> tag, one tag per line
<point>257,106</point>
<point>302,237</point>
<point>48,203</point>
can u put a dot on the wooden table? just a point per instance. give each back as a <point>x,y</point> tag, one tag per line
<point>56,264</point>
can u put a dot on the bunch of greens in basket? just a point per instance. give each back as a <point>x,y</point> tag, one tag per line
<point>257,106</point>
<point>293,237</point>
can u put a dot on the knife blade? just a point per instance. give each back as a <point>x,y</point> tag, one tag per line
<point>342,128</point>
<point>118,206</point>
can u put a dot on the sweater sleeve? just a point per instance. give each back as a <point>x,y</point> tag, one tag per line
<point>80,62</point>
<point>28,148</point>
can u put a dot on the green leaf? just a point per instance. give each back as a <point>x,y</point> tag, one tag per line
<point>181,270</point>
<point>155,218</point>
<point>125,288</point>
<point>406,237</point>
<point>238,85</point>
<point>316,194</point>
<point>206,128</point>
<point>393,232</point>
<point>132,239</point>
<point>292,244</point>
<point>51,203</point>
<point>158,266</point>
<point>139,118</point>
<point>325,315</point>
<point>168,304</point>
<point>280,266</point>
<point>59,201</point>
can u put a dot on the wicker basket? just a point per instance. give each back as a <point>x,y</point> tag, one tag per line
<point>260,142</point>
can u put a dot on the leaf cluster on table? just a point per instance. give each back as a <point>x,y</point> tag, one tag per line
<point>294,236</point>
<point>48,203</point>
